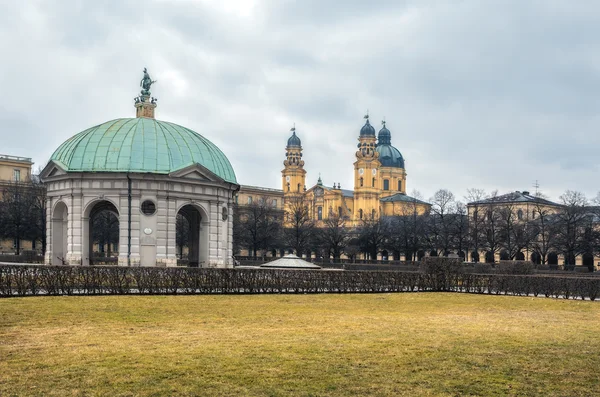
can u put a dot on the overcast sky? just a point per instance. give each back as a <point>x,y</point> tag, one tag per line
<point>477,94</point>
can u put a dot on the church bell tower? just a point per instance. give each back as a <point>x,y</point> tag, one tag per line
<point>293,175</point>
<point>366,178</point>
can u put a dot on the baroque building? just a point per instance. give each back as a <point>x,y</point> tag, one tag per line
<point>379,182</point>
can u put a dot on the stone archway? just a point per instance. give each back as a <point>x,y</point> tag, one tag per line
<point>196,240</point>
<point>59,234</point>
<point>94,219</point>
<point>520,256</point>
<point>587,260</point>
<point>553,259</point>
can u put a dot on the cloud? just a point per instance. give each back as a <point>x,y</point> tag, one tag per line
<point>476,94</point>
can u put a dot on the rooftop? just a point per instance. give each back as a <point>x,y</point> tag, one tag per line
<point>401,197</point>
<point>515,197</point>
<point>16,158</point>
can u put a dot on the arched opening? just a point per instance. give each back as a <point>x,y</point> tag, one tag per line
<point>59,234</point>
<point>474,256</point>
<point>587,260</point>
<point>433,253</point>
<point>536,258</point>
<point>553,259</point>
<point>489,257</point>
<point>504,255</point>
<point>420,255</point>
<point>384,255</point>
<point>461,255</point>
<point>520,256</point>
<point>192,236</point>
<point>103,234</point>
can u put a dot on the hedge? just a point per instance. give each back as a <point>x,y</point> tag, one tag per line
<point>30,280</point>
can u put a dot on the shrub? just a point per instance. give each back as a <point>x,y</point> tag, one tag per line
<point>515,267</point>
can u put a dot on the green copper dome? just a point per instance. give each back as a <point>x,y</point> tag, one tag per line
<point>141,145</point>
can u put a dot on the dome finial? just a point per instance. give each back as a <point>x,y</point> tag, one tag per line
<point>293,129</point>
<point>383,122</point>
<point>319,181</point>
<point>145,104</point>
<point>367,116</point>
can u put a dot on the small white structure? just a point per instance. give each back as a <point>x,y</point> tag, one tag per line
<point>145,172</point>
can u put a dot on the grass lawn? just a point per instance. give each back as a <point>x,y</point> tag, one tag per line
<point>414,344</point>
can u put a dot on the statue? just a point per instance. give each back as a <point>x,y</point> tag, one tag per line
<point>146,83</point>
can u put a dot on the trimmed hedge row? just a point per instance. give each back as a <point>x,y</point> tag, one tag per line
<point>28,280</point>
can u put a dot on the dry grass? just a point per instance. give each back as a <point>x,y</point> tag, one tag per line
<point>305,345</point>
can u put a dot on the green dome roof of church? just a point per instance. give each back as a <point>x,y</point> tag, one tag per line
<point>141,145</point>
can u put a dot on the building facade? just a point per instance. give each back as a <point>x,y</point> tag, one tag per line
<point>379,182</point>
<point>15,170</point>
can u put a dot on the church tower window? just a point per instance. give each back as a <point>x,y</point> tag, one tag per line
<point>373,183</point>
<point>361,181</point>
<point>320,213</point>
<point>399,185</point>
<point>373,214</point>
<point>360,214</point>
<point>386,184</point>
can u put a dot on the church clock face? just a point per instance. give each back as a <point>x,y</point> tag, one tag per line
<point>361,171</point>
<point>287,178</point>
<point>374,172</point>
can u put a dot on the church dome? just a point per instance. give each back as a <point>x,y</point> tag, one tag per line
<point>294,141</point>
<point>389,156</point>
<point>367,129</point>
<point>141,145</point>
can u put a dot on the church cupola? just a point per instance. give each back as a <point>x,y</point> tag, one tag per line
<point>384,137</point>
<point>367,129</point>
<point>294,141</point>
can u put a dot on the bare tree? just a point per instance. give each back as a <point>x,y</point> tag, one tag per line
<point>544,230</point>
<point>299,226</point>
<point>334,235</point>
<point>570,224</point>
<point>477,213</point>
<point>441,221</point>
<point>19,213</point>
<point>258,225</point>
<point>373,235</point>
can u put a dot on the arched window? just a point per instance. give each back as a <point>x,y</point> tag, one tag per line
<point>373,182</point>
<point>520,214</point>
<point>360,214</point>
<point>386,184</point>
<point>399,185</point>
<point>298,187</point>
<point>361,181</point>
<point>288,185</point>
<point>320,213</point>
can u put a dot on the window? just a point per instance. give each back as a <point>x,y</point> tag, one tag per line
<point>249,199</point>
<point>361,181</point>
<point>16,175</point>
<point>373,214</point>
<point>224,213</point>
<point>340,212</point>
<point>288,185</point>
<point>373,184</point>
<point>360,214</point>
<point>386,184</point>
<point>274,203</point>
<point>237,199</point>
<point>320,213</point>
<point>520,214</point>
<point>399,185</point>
<point>148,207</point>
<point>298,187</point>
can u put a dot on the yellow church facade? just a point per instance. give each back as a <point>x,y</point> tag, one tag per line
<point>379,182</point>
